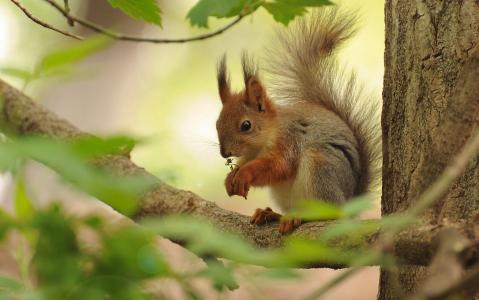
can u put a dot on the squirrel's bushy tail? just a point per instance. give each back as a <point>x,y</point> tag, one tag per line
<point>304,67</point>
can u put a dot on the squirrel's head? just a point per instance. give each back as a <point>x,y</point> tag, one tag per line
<point>246,122</point>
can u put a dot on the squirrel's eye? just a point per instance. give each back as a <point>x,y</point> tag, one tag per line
<point>245,126</point>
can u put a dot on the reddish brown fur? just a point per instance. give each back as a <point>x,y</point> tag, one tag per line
<point>264,159</point>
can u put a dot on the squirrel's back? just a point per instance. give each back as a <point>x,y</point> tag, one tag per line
<point>305,69</point>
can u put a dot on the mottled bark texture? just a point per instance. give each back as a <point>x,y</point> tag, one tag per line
<point>20,115</point>
<point>431,107</point>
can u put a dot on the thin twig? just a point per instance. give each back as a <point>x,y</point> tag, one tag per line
<point>117,36</point>
<point>67,9</point>
<point>42,23</point>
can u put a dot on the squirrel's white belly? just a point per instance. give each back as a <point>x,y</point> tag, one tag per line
<point>289,194</point>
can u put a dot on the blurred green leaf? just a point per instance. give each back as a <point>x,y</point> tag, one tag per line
<point>316,210</point>
<point>17,73</point>
<point>94,222</point>
<point>74,53</point>
<point>93,146</point>
<point>191,293</point>
<point>199,14</point>
<point>146,10</point>
<point>131,253</point>
<point>120,192</point>
<point>352,229</point>
<point>128,256</point>
<point>355,206</point>
<point>6,223</point>
<point>202,238</point>
<point>57,255</point>
<point>300,252</point>
<point>397,221</point>
<point>10,284</point>
<point>221,276</point>
<point>279,273</point>
<point>23,205</point>
<point>348,228</point>
<point>284,11</point>
<point>307,3</point>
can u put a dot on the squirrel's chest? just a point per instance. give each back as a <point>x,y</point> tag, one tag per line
<point>288,194</point>
<point>281,194</point>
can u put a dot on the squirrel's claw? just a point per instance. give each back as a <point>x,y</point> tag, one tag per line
<point>286,226</point>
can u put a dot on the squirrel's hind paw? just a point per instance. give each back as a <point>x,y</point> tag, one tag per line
<point>264,216</point>
<point>286,226</point>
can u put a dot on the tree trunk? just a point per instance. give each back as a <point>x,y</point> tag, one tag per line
<point>427,114</point>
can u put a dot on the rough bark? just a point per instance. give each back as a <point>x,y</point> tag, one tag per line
<point>20,115</point>
<point>431,107</point>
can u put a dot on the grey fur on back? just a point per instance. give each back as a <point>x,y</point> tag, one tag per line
<point>304,69</point>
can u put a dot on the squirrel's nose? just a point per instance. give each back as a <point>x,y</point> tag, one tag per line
<point>224,153</point>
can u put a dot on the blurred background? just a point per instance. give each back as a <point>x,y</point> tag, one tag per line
<point>166,95</point>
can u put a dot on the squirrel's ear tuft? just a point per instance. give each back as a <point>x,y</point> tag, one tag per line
<point>254,89</point>
<point>250,68</point>
<point>223,80</point>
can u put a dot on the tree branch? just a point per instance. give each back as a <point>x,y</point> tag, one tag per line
<point>98,29</point>
<point>42,23</point>
<point>19,115</point>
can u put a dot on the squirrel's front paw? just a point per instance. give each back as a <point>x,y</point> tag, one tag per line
<point>240,183</point>
<point>229,182</point>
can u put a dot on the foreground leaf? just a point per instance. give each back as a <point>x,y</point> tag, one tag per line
<point>199,14</point>
<point>10,284</point>
<point>74,53</point>
<point>284,11</point>
<point>120,192</point>
<point>17,73</point>
<point>23,205</point>
<point>145,10</point>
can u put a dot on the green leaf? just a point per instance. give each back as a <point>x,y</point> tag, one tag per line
<point>350,228</point>
<point>299,251</point>
<point>120,192</point>
<point>56,250</point>
<point>17,73</point>
<point>23,205</point>
<point>316,210</point>
<point>199,14</point>
<point>308,3</point>
<point>10,284</point>
<point>93,146</point>
<point>204,239</point>
<point>220,275</point>
<point>284,11</point>
<point>6,223</point>
<point>145,10</point>
<point>279,273</point>
<point>354,207</point>
<point>397,221</point>
<point>74,53</point>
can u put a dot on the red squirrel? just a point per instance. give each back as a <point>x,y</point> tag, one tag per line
<point>314,136</point>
